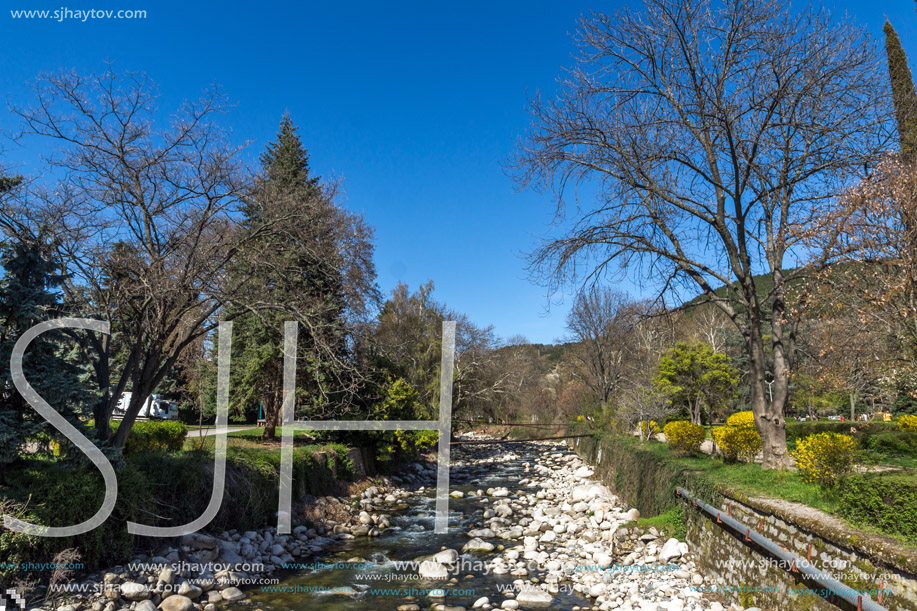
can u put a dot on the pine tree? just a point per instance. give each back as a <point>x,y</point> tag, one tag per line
<point>26,298</point>
<point>904,95</point>
<point>300,279</point>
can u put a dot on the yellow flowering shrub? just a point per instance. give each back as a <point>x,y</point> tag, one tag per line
<point>824,457</point>
<point>684,437</point>
<point>737,442</point>
<point>740,419</point>
<point>907,422</point>
<point>648,429</point>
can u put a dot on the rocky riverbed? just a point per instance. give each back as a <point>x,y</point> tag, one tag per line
<point>529,528</point>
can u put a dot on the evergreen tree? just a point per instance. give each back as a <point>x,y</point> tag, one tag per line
<point>26,298</point>
<point>904,95</point>
<point>300,260</point>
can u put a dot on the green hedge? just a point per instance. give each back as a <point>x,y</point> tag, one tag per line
<point>163,436</point>
<point>898,444</point>
<point>799,430</point>
<point>887,501</point>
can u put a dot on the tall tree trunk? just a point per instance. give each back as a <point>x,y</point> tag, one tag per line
<point>768,414</point>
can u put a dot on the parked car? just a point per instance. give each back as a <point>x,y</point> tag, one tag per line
<point>155,408</point>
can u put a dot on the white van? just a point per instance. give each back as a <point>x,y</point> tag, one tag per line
<point>155,408</point>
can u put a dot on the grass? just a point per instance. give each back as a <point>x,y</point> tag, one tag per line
<point>749,479</point>
<point>669,524</point>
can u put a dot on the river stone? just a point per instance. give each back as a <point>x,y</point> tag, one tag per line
<point>480,602</point>
<point>477,545</point>
<point>134,591</point>
<point>166,575</point>
<point>145,605</point>
<point>510,604</point>
<point>669,551</point>
<point>531,595</point>
<point>176,602</point>
<point>190,590</point>
<point>447,556</point>
<point>199,541</point>
<point>481,533</point>
<point>431,569</point>
<point>409,607</point>
<point>583,472</point>
<point>232,594</point>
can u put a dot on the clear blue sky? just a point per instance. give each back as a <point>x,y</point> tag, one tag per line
<point>414,104</point>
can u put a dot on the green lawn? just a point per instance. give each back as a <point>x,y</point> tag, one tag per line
<point>750,479</point>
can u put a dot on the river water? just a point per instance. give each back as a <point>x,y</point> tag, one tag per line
<point>371,579</point>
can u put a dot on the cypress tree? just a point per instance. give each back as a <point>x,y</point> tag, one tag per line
<point>904,95</point>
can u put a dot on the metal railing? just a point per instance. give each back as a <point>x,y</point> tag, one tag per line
<point>796,563</point>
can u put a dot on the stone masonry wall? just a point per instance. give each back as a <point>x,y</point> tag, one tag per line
<point>750,577</point>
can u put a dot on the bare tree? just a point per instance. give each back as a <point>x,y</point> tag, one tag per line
<point>142,220</point>
<point>602,323</point>
<point>715,130</point>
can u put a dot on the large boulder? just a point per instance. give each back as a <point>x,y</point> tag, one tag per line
<point>534,596</point>
<point>430,569</point>
<point>177,602</point>
<point>134,591</point>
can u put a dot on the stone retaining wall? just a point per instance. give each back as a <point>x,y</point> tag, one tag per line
<point>860,560</point>
<point>751,577</point>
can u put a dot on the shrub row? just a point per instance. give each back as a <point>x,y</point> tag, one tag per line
<point>163,436</point>
<point>799,430</point>
<point>887,501</point>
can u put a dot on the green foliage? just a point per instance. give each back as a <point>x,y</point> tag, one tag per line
<point>27,297</point>
<point>894,444</point>
<point>694,376</point>
<point>799,430</point>
<point>58,494</point>
<point>163,436</point>
<point>825,457</point>
<point>684,437</point>
<point>670,523</point>
<point>887,501</point>
<point>409,333</point>
<point>737,443</point>
<point>400,402</point>
<point>904,95</point>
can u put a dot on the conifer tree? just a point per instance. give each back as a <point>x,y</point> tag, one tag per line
<point>27,297</point>
<point>301,261</point>
<point>904,95</point>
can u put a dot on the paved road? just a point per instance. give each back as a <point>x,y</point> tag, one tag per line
<point>208,431</point>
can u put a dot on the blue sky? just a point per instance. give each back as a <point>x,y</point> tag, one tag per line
<point>414,104</point>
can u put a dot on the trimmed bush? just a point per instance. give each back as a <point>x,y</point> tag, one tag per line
<point>741,419</point>
<point>684,437</point>
<point>737,443</point>
<point>162,436</point>
<point>907,422</point>
<point>796,431</point>
<point>823,458</point>
<point>896,444</point>
<point>884,500</point>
